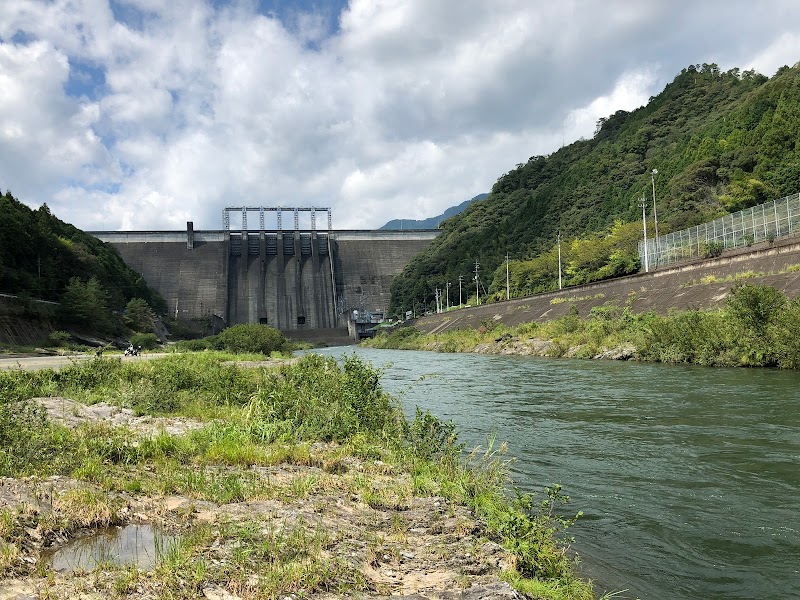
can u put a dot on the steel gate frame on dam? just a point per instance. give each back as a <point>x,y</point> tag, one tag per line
<point>304,282</point>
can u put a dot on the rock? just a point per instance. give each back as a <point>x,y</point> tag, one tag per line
<point>214,592</point>
<point>621,353</point>
<point>17,590</point>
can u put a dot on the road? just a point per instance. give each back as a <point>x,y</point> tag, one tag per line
<point>34,363</point>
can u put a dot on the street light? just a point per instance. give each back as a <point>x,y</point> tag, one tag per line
<point>448,295</point>
<point>653,174</point>
<point>644,221</point>
<point>508,288</point>
<point>559,259</point>
<point>477,282</point>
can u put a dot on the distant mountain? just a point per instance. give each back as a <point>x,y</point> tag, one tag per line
<point>433,222</point>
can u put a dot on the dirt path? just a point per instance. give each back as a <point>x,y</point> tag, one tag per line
<point>34,363</point>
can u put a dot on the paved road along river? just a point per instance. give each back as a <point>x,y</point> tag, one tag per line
<point>688,477</point>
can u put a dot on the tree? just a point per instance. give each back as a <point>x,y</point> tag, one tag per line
<point>85,305</point>
<point>753,311</point>
<point>138,315</point>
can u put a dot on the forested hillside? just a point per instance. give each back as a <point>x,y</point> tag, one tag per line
<point>43,257</point>
<point>720,141</point>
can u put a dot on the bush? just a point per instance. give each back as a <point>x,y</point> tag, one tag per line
<point>430,437</point>
<point>147,341</point>
<point>712,249</point>
<point>316,400</point>
<point>25,437</point>
<point>59,338</point>
<point>250,338</point>
<point>196,345</point>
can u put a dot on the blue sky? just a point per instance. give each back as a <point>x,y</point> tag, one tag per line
<point>145,114</point>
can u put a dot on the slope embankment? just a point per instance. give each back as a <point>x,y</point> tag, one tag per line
<point>700,284</point>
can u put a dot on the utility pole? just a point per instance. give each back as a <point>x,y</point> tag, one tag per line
<point>460,279</point>
<point>448,295</point>
<point>644,221</point>
<point>559,259</point>
<point>477,289</point>
<point>508,288</point>
<point>653,174</point>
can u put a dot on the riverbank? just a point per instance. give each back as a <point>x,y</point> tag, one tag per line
<point>297,480</point>
<point>755,328</point>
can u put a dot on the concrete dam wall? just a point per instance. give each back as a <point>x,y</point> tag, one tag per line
<point>282,279</point>
<point>304,283</point>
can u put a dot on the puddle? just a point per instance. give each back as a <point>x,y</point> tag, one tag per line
<point>138,545</point>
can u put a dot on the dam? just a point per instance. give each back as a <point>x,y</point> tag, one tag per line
<point>311,284</point>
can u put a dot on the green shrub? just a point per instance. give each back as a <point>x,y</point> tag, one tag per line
<point>316,400</point>
<point>535,534</point>
<point>26,441</point>
<point>246,338</point>
<point>196,345</point>
<point>430,438</point>
<point>712,249</point>
<point>59,338</point>
<point>783,333</point>
<point>147,341</point>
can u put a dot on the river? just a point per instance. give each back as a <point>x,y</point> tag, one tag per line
<point>688,477</point>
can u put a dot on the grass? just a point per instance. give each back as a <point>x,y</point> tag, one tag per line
<point>257,422</point>
<point>741,276</point>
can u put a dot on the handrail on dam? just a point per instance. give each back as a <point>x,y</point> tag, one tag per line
<point>121,237</point>
<point>279,210</point>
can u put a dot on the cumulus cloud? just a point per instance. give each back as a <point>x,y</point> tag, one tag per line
<point>630,92</point>
<point>145,114</point>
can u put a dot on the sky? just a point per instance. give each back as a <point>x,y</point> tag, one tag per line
<point>146,114</point>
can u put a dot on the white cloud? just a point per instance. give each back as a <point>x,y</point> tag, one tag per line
<point>411,107</point>
<point>781,51</point>
<point>45,137</point>
<point>630,92</point>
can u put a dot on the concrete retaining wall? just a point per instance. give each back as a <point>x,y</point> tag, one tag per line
<point>696,285</point>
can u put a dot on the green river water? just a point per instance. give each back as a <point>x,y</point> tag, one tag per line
<point>688,477</point>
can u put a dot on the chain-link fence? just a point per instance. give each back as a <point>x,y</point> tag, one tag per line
<point>765,222</point>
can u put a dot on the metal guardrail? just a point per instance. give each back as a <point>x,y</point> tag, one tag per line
<point>765,222</point>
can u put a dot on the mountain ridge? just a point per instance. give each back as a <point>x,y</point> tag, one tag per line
<point>431,222</point>
<point>720,141</point>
